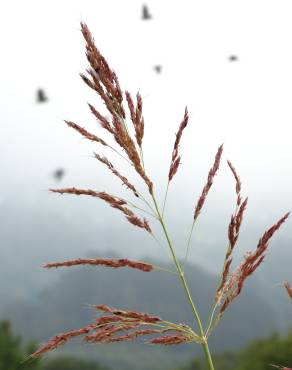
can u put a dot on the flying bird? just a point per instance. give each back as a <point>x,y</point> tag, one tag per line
<point>233,58</point>
<point>145,13</point>
<point>158,69</point>
<point>58,174</point>
<point>41,96</point>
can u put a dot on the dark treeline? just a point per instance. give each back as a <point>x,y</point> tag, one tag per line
<point>14,355</point>
<point>258,355</point>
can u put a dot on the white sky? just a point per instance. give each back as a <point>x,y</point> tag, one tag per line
<point>245,104</point>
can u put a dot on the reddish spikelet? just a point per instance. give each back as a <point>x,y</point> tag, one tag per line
<point>124,180</point>
<point>209,183</point>
<point>288,288</point>
<point>239,215</point>
<point>175,159</point>
<point>114,263</point>
<point>104,307</point>
<point>108,319</point>
<point>102,120</point>
<point>60,339</point>
<point>125,141</point>
<point>169,340</point>
<point>129,314</point>
<point>237,181</point>
<point>105,333</point>
<point>134,334</point>
<point>139,127</point>
<point>85,133</point>
<point>234,226</point>
<point>143,224</point>
<point>113,201</point>
<point>136,116</point>
<point>104,80</point>
<point>252,261</point>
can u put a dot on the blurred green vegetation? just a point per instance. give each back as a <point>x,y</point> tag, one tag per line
<point>15,356</point>
<point>258,355</point>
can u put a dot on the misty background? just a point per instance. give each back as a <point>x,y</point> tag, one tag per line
<point>245,104</point>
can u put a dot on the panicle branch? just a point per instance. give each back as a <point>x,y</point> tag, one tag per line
<point>61,339</point>
<point>113,201</point>
<point>110,166</point>
<point>233,232</point>
<point>106,262</point>
<point>136,116</point>
<point>252,260</point>
<point>85,133</point>
<point>209,183</point>
<point>175,158</point>
<point>133,324</point>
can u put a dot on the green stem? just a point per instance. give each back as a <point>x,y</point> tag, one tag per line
<point>165,197</point>
<point>186,288</point>
<point>140,209</point>
<point>189,243</point>
<point>210,322</point>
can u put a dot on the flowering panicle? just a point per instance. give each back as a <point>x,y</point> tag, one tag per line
<point>102,79</point>
<point>106,262</point>
<point>252,260</point>
<point>132,324</point>
<point>233,232</point>
<point>175,158</point>
<point>209,183</point>
<point>115,325</point>
<point>114,202</point>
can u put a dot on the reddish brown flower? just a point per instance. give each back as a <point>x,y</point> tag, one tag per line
<point>252,260</point>
<point>60,339</point>
<point>209,183</point>
<point>175,158</point>
<point>107,262</point>
<point>169,340</point>
<point>288,288</point>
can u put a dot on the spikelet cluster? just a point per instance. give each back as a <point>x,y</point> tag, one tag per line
<point>120,326</point>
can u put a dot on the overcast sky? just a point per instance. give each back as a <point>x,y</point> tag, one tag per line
<point>245,104</point>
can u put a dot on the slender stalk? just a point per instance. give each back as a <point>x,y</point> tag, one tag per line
<point>165,198</point>
<point>186,288</point>
<point>140,209</point>
<point>189,242</point>
<point>142,158</point>
<point>210,322</point>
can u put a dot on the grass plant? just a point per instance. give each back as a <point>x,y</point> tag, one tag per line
<point>126,131</point>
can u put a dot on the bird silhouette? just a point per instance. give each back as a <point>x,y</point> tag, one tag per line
<point>41,96</point>
<point>233,58</point>
<point>58,174</point>
<point>158,69</point>
<point>145,13</point>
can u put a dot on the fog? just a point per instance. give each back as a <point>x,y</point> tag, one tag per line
<point>244,104</point>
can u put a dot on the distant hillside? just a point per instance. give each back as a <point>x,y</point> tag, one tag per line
<point>63,306</point>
